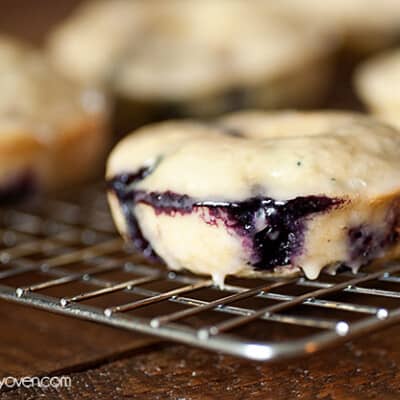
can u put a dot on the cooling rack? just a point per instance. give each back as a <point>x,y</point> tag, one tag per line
<point>63,255</point>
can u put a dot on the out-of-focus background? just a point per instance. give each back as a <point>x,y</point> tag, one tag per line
<point>31,20</point>
<point>163,59</point>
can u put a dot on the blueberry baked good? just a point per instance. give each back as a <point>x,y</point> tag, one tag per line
<point>260,193</point>
<point>52,131</point>
<point>159,58</point>
<point>377,83</point>
<point>364,26</point>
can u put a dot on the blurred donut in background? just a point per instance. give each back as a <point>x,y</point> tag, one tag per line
<point>364,25</point>
<point>193,58</point>
<point>53,132</point>
<point>377,82</point>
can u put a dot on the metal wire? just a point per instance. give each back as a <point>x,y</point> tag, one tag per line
<point>62,244</point>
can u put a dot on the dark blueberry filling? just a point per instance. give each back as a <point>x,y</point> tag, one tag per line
<point>273,231</point>
<point>368,242</point>
<point>283,235</point>
<point>166,202</point>
<point>120,186</point>
<point>365,243</point>
<point>17,188</point>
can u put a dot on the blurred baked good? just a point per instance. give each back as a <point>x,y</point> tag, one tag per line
<point>260,193</point>
<point>377,82</point>
<point>364,25</point>
<point>200,58</point>
<point>52,132</point>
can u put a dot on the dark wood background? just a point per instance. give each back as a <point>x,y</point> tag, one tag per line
<point>106,363</point>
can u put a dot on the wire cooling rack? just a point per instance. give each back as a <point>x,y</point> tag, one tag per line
<point>63,255</point>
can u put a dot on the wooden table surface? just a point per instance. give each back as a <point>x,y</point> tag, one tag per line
<point>106,363</point>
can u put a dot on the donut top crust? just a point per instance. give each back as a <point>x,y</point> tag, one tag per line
<point>34,98</point>
<point>256,154</point>
<point>180,48</point>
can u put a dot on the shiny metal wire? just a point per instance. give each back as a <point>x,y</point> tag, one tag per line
<point>65,242</point>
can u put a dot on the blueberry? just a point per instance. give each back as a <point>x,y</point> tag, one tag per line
<point>366,242</point>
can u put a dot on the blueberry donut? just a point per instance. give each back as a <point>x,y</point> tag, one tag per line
<point>260,193</point>
<point>159,60</point>
<point>52,131</point>
<point>377,83</point>
<point>364,26</point>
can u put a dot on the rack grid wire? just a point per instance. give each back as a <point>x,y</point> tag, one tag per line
<point>63,255</point>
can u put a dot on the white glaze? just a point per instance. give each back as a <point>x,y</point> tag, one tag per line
<point>359,153</point>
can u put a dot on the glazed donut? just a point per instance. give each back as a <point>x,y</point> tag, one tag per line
<point>259,193</point>
<point>53,132</point>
